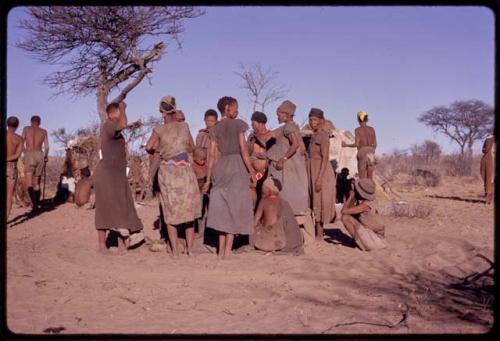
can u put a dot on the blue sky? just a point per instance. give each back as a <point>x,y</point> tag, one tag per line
<point>393,62</point>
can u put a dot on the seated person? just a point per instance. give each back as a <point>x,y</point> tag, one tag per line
<point>343,185</point>
<point>361,219</point>
<point>275,225</point>
<point>83,188</point>
<point>200,170</point>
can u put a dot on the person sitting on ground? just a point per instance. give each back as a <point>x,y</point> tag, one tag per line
<point>366,142</point>
<point>200,170</point>
<point>361,219</point>
<point>203,138</point>
<point>276,228</point>
<point>83,187</point>
<point>14,150</point>
<point>343,185</point>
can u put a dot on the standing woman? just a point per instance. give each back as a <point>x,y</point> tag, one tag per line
<point>113,199</point>
<point>179,192</point>
<point>321,172</point>
<point>230,209</point>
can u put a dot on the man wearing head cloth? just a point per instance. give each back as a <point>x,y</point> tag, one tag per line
<point>288,160</point>
<point>275,225</point>
<point>258,142</point>
<point>366,142</point>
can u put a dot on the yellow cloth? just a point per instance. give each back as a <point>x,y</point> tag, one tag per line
<point>362,115</point>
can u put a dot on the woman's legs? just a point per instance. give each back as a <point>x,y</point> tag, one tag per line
<point>172,237</point>
<point>229,245</point>
<point>319,231</point>
<point>189,238</point>
<point>101,240</point>
<point>222,245</point>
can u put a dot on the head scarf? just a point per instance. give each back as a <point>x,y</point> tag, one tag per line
<point>315,112</point>
<point>362,115</point>
<point>288,107</point>
<point>259,117</point>
<point>170,100</point>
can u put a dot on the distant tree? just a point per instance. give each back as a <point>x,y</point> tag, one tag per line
<point>98,48</point>
<point>260,85</point>
<point>428,151</point>
<point>464,122</point>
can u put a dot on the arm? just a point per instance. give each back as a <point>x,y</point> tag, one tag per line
<point>374,139</point>
<point>152,144</point>
<point>123,120</point>
<point>191,146</point>
<point>258,213</point>
<point>355,209</point>
<point>294,145</point>
<point>245,155</point>
<point>46,146</point>
<point>324,150</point>
<point>212,148</point>
<point>356,141</point>
<point>19,150</point>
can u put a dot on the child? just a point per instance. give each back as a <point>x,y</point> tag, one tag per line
<point>361,219</point>
<point>343,185</point>
<point>83,188</point>
<point>275,224</point>
<point>200,170</point>
<point>203,139</point>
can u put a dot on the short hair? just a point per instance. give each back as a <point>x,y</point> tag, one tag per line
<point>277,183</point>
<point>259,117</point>
<point>85,172</point>
<point>223,101</point>
<point>36,119</point>
<point>211,112</point>
<point>200,151</point>
<point>13,122</point>
<point>111,107</point>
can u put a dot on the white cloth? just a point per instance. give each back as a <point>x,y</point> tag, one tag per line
<point>68,183</point>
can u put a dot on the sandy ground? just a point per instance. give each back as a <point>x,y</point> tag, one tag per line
<point>57,279</point>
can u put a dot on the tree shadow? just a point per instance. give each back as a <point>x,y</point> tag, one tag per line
<point>336,236</point>
<point>482,201</point>
<point>46,205</point>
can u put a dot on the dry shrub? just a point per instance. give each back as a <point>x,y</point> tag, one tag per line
<point>53,172</point>
<point>425,177</point>
<point>411,210</point>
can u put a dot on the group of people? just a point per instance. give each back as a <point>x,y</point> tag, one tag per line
<point>230,180</point>
<point>34,144</point>
<point>235,182</point>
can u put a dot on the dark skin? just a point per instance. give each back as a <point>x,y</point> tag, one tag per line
<point>34,138</point>
<point>226,239</point>
<point>259,161</point>
<point>354,205</point>
<point>316,124</point>
<point>153,143</point>
<point>268,209</point>
<point>14,150</point>
<point>284,117</point>
<point>119,117</point>
<point>364,137</point>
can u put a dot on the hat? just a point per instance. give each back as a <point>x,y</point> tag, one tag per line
<point>365,188</point>
<point>288,107</point>
<point>170,100</point>
<point>272,185</point>
<point>316,113</point>
<point>259,117</point>
<point>362,115</point>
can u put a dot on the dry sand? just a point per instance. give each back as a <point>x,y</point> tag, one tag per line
<point>55,278</point>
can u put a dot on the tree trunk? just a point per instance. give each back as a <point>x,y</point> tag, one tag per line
<point>102,102</point>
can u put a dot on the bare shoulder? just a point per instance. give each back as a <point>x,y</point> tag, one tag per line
<point>18,137</point>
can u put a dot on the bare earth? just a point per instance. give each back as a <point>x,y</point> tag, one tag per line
<point>55,278</point>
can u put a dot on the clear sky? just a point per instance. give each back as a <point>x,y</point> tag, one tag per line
<point>393,62</point>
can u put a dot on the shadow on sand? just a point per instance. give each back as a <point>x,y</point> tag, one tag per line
<point>46,205</point>
<point>478,201</point>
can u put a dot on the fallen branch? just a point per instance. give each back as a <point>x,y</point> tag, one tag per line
<point>402,322</point>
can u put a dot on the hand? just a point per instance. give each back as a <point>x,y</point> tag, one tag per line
<point>46,159</point>
<point>206,187</point>
<point>280,164</point>
<point>122,105</point>
<point>317,186</point>
<point>344,144</point>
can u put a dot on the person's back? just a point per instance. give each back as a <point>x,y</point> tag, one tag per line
<point>33,138</point>
<point>365,135</point>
